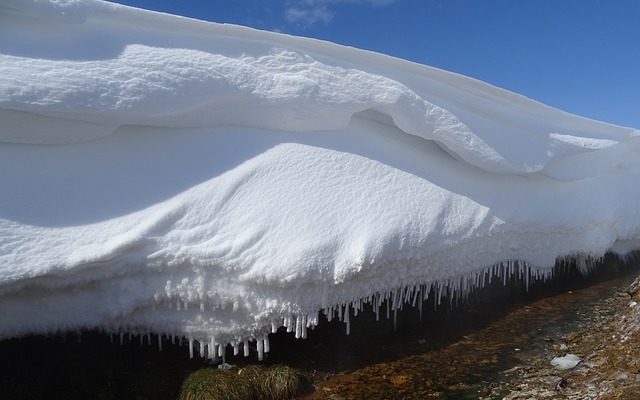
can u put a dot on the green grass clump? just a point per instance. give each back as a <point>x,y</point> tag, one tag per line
<point>253,382</point>
<point>280,382</point>
<point>253,375</point>
<point>215,384</point>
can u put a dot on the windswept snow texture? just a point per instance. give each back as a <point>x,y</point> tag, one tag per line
<point>167,175</point>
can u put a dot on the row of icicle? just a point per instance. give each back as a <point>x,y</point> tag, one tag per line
<point>387,302</point>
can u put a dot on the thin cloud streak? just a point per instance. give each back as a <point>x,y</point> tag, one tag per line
<point>309,16</point>
<point>310,12</point>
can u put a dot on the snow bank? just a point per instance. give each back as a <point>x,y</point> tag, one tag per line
<point>167,175</point>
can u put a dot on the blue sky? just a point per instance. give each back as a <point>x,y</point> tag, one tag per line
<point>582,56</point>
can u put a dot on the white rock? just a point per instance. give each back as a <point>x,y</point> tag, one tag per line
<point>567,362</point>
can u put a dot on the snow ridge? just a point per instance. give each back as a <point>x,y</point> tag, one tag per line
<point>216,182</point>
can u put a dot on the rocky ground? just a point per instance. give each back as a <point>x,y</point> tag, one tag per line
<point>609,350</point>
<point>510,357</point>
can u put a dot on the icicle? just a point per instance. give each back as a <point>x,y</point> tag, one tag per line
<point>388,306</point>
<point>376,306</point>
<point>246,348</point>
<point>121,338</point>
<point>347,319</point>
<point>173,339</point>
<point>260,348</point>
<point>111,337</point>
<point>159,342</point>
<point>274,327</point>
<point>236,349</point>
<point>298,327</point>
<point>451,293</point>
<point>190,347</point>
<point>393,300</point>
<point>266,343</point>
<point>395,320</point>
<point>289,324</point>
<point>504,276</point>
<point>212,347</point>
<point>201,348</point>
<point>407,294</point>
<point>304,327</point>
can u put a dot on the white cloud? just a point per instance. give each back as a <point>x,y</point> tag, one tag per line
<point>374,3</point>
<point>309,12</point>
<point>309,15</point>
<point>380,3</point>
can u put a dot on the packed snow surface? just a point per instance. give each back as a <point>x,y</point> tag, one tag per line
<point>167,175</point>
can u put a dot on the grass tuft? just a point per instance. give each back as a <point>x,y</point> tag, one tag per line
<point>253,382</point>
<point>215,384</point>
<point>253,375</point>
<point>280,382</point>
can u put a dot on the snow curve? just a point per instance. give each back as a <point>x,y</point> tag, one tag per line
<point>217,182</point>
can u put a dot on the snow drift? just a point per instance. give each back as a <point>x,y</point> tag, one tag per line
<point>167,175</point>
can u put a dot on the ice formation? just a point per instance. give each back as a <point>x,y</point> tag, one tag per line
<point>165,175</point>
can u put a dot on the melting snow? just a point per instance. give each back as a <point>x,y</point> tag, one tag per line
<point>164,175</point>
<point>566,362</point>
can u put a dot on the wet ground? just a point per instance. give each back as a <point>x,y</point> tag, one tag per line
<point>507,354</point>
<point>498,344</point>
<point>607,342</point>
